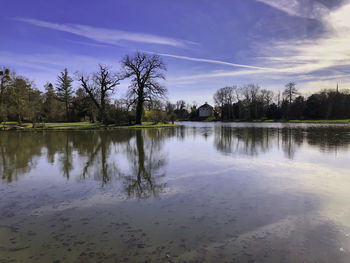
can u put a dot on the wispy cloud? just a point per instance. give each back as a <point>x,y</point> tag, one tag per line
<point>306,61</point>
<point>51,62</point>
<point>219,74</point>
<point>105,35</point>
<point>213,61</point>
<point>328,52</point>
<point>87,43</point>
<point>314,63</point>
<point>45,67</point>
<point>306,8</point>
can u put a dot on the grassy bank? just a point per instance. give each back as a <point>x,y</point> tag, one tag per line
<point>299,121</point>
<point>346,121</point>
<point>306,121</point>
<point>320,121</point>
<point>56,126</point>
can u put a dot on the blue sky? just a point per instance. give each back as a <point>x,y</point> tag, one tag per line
<point>206,44</point>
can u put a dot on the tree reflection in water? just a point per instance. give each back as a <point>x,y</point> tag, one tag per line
<point>136,158</point>
<point>253,141</point>
<point>147,167</point>
<point>96,153</point>
<point>18,154</point>
<point>100,165</point>
<point>145,161</point>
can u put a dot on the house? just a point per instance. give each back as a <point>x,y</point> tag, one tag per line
<point>205,111</point>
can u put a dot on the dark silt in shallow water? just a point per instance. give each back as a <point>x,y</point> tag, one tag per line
<point>200,193</point>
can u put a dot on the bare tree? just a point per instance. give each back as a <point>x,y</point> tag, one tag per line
<point>219,99</point>
<point>290,92</point>
<point>99,87</point>
<point>266,97</point>
<point>145,71</point>
<point>180,105</point>
<point>250,95</point>
<point>253,91</point>
<point>221,95</point>
<point>225,97</point>
<point>169,107</point>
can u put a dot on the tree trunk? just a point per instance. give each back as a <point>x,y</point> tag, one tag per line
<point>139,106</point>
<point>103,109</point>
<point>19,119</point>
<point>222,111</point>
<point>139,111</point>
<point>67,112</point>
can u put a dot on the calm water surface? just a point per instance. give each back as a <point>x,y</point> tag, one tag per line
<point>200,193</point>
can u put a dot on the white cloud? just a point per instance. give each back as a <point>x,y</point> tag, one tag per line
<point>108,36</point>
<point>309,55</point>
<point>302,8</point>
<point>300,60</point>
<point>313,63</point>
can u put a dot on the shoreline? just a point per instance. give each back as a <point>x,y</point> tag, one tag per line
<point>345,121</point>
<point>87,126</point>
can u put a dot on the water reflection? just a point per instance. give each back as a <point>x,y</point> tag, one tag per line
<point>18,153</point>
<point>75,196</point>
<point>97,156</point>
<point>253,141</point>
<point>137,157</point>
<point>147,166</point>
<point>100,164</point>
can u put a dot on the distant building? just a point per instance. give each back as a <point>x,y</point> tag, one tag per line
<point>205,110</point>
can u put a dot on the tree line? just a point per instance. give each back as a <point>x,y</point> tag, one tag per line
<point>91,100</point>
<point>251,102</point>
<point>79,96</point>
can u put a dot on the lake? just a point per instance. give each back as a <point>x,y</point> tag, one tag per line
<point>204,192</point>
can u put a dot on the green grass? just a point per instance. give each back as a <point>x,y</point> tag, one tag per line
<point>346,121</point>
<point>304,121</point>
<point>320,121</point>
<point>57,126</point>
<point>209,119</point>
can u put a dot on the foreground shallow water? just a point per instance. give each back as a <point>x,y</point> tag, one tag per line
<point>200,193</point>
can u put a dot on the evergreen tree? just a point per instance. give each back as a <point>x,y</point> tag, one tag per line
<point>64,90</point>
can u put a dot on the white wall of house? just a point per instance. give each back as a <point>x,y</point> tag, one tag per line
<point>205,112</point>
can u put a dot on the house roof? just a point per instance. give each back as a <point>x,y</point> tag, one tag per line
<point>206,105</point>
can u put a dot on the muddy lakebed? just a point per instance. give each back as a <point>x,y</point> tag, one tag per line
<point>203,192</point>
